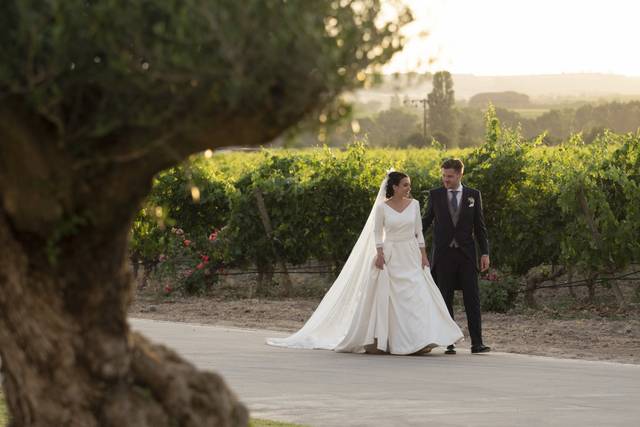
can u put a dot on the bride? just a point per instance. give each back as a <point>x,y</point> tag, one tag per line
<point>384,299</point>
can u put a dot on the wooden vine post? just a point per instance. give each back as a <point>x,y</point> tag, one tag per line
<point>266,222</point>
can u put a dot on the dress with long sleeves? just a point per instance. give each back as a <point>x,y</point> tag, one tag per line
<point>401,309</point>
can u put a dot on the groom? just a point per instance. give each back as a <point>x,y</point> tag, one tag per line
<point>457,212</point>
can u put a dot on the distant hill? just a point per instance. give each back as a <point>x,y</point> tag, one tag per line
<point>545,87</point>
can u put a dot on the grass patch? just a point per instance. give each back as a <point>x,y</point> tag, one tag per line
<point>4,414</point>
<point>4,418</point>
<point>267,423</point>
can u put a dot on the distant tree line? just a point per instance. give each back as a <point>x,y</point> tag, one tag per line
<point>591,120</point>
<point>509,99</point>
<point>456,125</point>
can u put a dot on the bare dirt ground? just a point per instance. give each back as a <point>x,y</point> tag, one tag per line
<point>560,329</point>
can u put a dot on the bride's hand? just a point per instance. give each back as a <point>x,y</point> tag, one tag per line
<point>380,261</point>
<point>425,261</point>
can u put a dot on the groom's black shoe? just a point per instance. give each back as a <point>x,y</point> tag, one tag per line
<point>451,349</point>
<point>480,349</point>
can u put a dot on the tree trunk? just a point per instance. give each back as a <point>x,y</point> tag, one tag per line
<point>265,278</point>
<point>591,286</point>
<point>66,208</point>
<point>530,293</point>
<point>68,355</point>
<point>337,266</point>
<point>572,292</point>
<point>148,269</point>
<point>622,304</point>
<point>268,279</point>
<point>535,277</point>
<point>135,265</point>
<point>259,283</point>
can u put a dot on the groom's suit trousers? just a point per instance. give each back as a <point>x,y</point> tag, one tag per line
<point>455,271</point>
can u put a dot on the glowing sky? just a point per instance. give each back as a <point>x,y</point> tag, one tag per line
<point>514,37</point>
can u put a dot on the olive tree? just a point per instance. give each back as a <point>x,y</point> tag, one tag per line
<point>96,97</point>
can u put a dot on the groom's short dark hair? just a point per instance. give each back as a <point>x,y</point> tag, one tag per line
<point>455,164</point>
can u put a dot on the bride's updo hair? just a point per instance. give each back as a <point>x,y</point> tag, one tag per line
<point>394,178</point>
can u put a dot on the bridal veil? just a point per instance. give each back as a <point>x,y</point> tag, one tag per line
<point>342,305</point>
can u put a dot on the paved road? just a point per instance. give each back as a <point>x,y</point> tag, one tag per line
<point>323,388</point>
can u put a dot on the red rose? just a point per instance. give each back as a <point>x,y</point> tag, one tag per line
<point>186,242</point>
<point>200,266</point>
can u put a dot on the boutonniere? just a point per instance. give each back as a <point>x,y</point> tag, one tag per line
<point>472,202</point>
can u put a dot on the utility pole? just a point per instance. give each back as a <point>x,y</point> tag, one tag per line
<point>416,103</point>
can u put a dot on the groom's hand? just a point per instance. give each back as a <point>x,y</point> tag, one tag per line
<point>484,263</point>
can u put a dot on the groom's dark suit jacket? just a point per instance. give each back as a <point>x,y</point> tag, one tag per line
<point>470,224</point>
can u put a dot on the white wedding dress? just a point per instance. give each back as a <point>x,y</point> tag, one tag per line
<point>399,308</point>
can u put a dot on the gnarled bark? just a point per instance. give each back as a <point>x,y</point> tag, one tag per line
<point>70,359</point>
<point>68,355</point>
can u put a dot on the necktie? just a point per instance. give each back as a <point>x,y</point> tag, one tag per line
<point>454,200</point>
